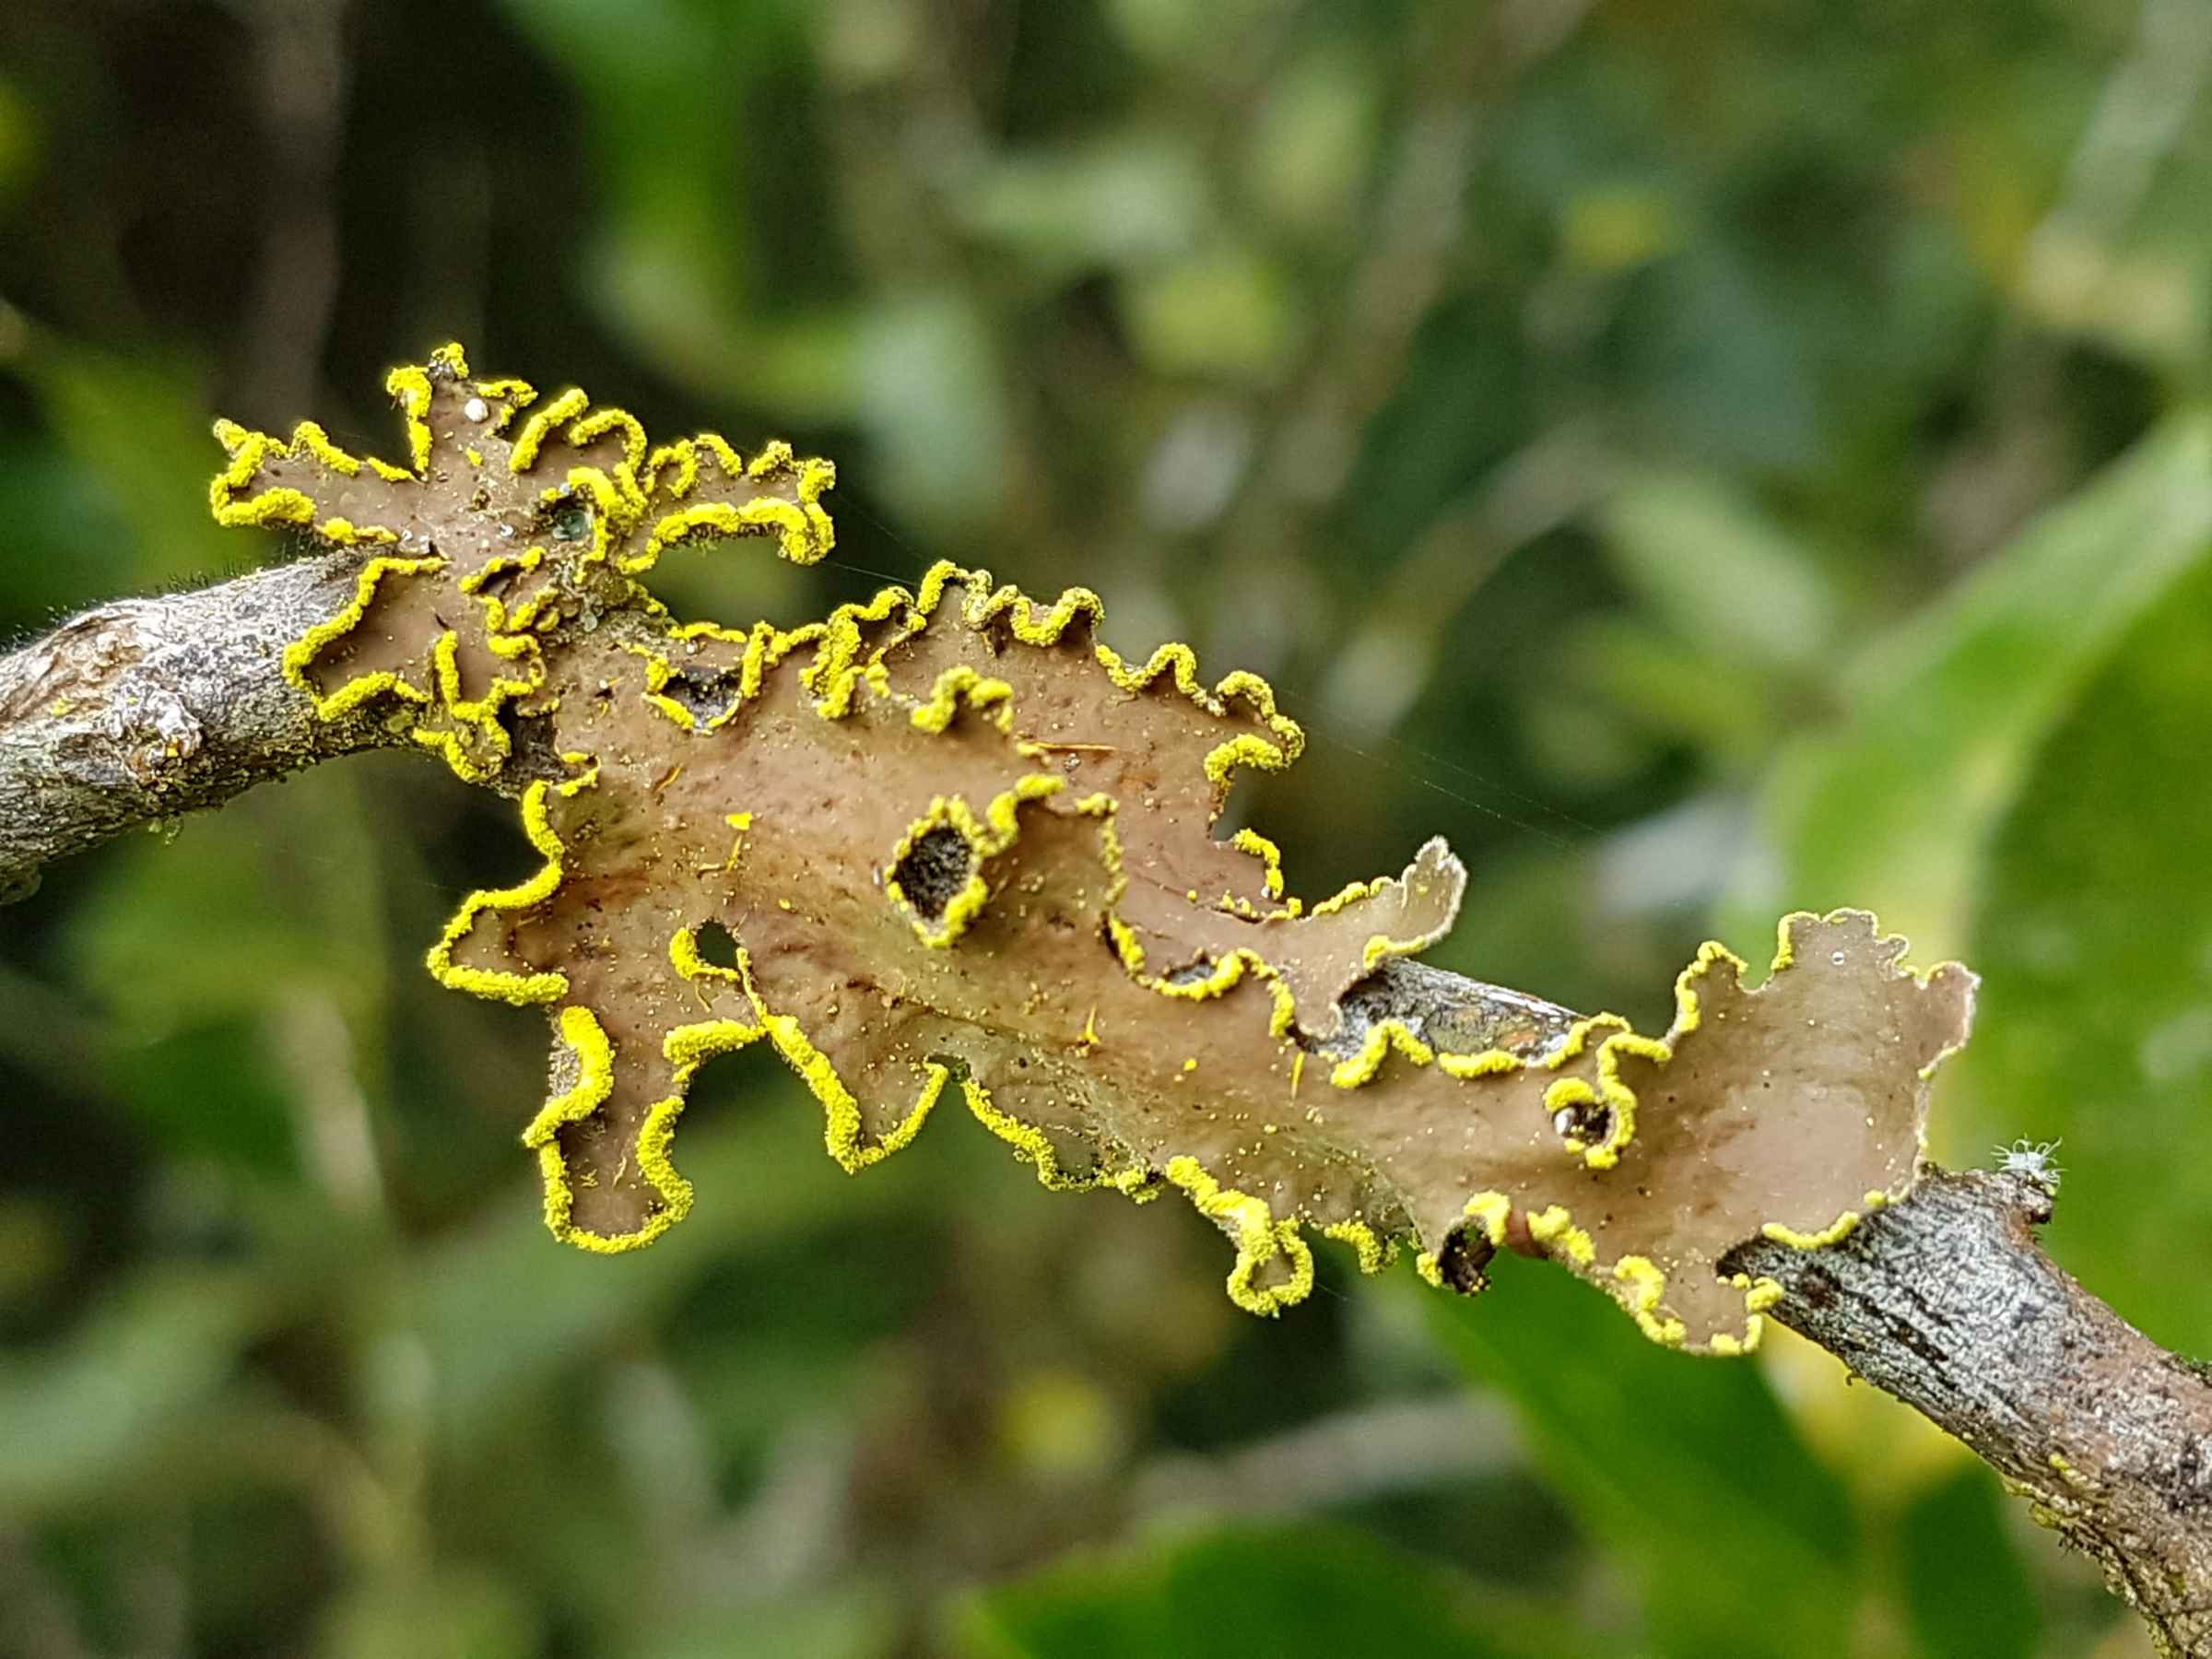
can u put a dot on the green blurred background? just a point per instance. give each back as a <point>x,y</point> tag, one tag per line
<point>1703,459</point>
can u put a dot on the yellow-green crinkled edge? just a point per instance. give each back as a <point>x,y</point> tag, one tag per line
<point>496,985</point>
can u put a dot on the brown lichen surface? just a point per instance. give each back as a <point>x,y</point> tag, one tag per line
<point>958,852</point>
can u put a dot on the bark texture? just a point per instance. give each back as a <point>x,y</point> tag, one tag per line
<point>1947,1302</point>
<point>137,711</point>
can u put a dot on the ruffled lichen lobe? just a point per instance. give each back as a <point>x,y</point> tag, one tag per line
<point>966,854</point>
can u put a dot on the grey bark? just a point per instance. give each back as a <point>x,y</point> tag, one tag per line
<point>137,712</point>
<point>1947,1302</point>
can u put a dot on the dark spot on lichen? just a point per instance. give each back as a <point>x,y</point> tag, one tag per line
<point>534,749</point>
<point>935,869</point>
<point>715,945</point>
<point>1191,974</point>
<point>1460,1264</point>
<point>1589,1122</point>
<point>572,524</point>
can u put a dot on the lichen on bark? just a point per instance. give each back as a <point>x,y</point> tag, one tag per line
<point>967,851</point>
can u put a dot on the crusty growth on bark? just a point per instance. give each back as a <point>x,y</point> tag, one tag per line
<point>953,847</point>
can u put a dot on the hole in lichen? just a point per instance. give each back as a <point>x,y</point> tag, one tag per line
<point>1589,1122</point>
<point>571,523</point>
<point>706,696</point>
<point>1191,974</point>
<point>717,946</point>
<point>534,752</point>
<point>1463,1258</point>
<point>935,870</point>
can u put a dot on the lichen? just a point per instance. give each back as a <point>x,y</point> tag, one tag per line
<point>958,839</point>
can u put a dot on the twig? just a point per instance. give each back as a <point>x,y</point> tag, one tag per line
<point>1947,1302</point>
<point>137,712</point>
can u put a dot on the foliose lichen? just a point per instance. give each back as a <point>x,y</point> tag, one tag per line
<point>958,839</point>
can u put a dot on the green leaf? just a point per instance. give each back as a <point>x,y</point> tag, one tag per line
<point>139,427</point>
<point>224,916</point>
<point>1290,1591</point>
<point>1722,575</point>
<point>1685,1467</point>
<point>82,1414</point>
<point>1117,203</point>
<point>495,1306</point>
<point>1892,812</point>
<point>1964,1583</point>
<point>2095,942</point>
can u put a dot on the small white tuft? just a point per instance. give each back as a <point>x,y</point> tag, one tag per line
<point>476,408</point>
<point>2032,1160</point>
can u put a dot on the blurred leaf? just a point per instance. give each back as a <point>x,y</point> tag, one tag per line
<point>220,917</point>
<point>210,1090</point>
<point>82,1414</point>
<point>1229,313</point>
<point>67,538</point>
<point>21,139</point>
<point>709,250</point>
<point>852,1622</point>
<point>457,1615</point>
<point>1685,1467</point>
<point>928,380</point>
<point>140,427</point>
<point>1130,200</point>
<point>1660,683</point>
<point>1716,362</point>
<point>1965,1584</point>
<point>1314,142</point>
<point>1292,1591</point>
<point>498,1306</point>
<point>1892,811</point>
<point>1729,581</point>
<point>2095,941</point>
<point>1181,38</point>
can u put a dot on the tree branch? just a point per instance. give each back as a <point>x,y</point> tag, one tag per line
<point>137,711</point>
<point>1947,1302</point>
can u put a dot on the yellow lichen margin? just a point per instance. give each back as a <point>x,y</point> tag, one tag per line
<point>683,955</point>
<point>840,1130</point>
<point>1494,1210</point>
<point>1221,978</point>
<point>1375,1252</point>
<point>1268,853</point>
<point>480,716</point>
<point>1389,1036</point>
<point>986,837</point>
<point>539,426</point>
<point>1382,1038</point>
<point>1033,1144</point>
<point>1758,1296</point>
<point>803,532</point>
<point>410,383</point>
<point>1647,1287</point>
<point>1835,1232</point>
<point>687,1048</point>
<point>1261,1238</point>
<point>980,692</point>
<point>492,983</point>
<point>987,605</point>
<point>579,1029</point>
<point>1554,1230</point>
<point>300,655</point>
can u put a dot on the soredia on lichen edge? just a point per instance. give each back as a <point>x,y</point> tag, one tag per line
<point>947,836</point>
